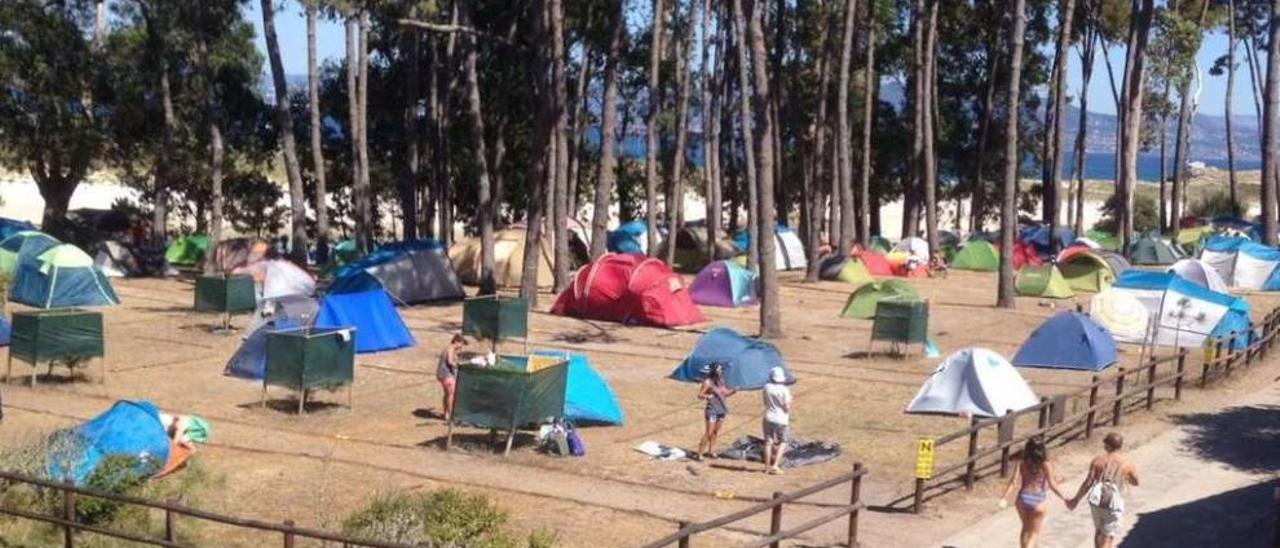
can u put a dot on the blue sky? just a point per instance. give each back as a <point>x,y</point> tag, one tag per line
<point>292,29</point>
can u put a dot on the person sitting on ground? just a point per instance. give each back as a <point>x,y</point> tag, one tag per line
<point>1034,478</point>
<point>777,420</point>
<point>714,392</point>
<point>937,265</point>
<point>1109,473</point>
<point>447,373</point>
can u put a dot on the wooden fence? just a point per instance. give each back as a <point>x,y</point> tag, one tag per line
<point>1108,399</point>
<point>774,506</point>
<point>71,525</point>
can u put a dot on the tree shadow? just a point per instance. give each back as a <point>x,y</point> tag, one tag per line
<point>581,336</point>
<point>1244,438</point>
<point>1240,518</point>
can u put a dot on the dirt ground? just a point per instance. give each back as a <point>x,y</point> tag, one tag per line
<point>316,468</point>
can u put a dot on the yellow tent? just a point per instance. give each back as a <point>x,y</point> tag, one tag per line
<point>508,254</point>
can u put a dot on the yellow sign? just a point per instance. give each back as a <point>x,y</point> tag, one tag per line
<point>924,458</point>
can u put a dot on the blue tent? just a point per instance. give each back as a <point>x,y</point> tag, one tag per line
<point>1038,236</point>
<point>378,325</point>
<point>410,272</point>
<point>588,399</point>
<point>1144,279</point>
<point>250,360</point>
<point>1068,340</point>
<point>5,331</point>
<point>628,238</point>
<point>747,362</point>
<point>130,428</point>
<point>1235,319</point>
<point>9,227</point>
<point>61,277</point>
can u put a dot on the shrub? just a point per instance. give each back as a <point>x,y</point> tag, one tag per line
<point>445,517</point>
<point>1212,204</point>
<point>116,475</point>
<point>1145,214</point>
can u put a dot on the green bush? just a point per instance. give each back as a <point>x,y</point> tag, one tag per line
<point>1212,204</point>
<point>1146,216</point>
<point>446,518</point>
<point>116,475</point>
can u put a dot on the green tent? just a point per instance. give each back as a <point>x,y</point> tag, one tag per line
<point>1189,238</point>
<point>1087,272</point>
<point>978,255</point>
<point>187,250</point>
<point>1104,239</point>
<point>843,269</point>
<point>1043,281</point>
<point>862,302</point>
<point>1151,249</point>
<point>880,244</point>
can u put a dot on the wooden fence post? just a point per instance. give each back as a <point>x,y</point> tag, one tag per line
<point>1177,381</point>
<point>775,520</point>
<point>170,526</point>
<point>918,500</point>
<point>288,534</point>
<point>1042,418</point>
<point>1231,351</point>
<point>1004,435</point>
<point>1217,358</point>
<point>1093,401</point>
<point>684,541</point>
<point>1118,407</point>
<point>855,497</point>
<point>972,467</point>
<point>1151,382</point>
<point>69,514</point>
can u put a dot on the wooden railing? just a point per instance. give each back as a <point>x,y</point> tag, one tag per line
<point>71,525</point>
<point>1108,399</point>
<point>774,506</point>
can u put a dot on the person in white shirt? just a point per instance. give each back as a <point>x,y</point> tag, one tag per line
<point>777,420</point>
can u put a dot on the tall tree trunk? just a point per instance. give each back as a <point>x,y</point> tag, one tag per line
<point>929,168</point>
<point>480,159</point>
<point>711,126</point>
<point>1164,135</point>
<point>1052,180</point>
<point>543,137</point>
<point>579,131</point>
<point>844,135</point>
<point>216,148</point>
<point>1140,30</point>
<point>750,171</point>
<point>353,123</point>
<point>1082,127</point>
<point>1182,148</point>
<point>297,200</point>
<point>160,213</point>
<point>915,103</point>
<point>1005,296</point>
<point>559,80</point>
<point>816,176</point>
<point>770,313</point>
<point>675,202</point>
<point>317,141</point>
<point>1271,124</point>
<point>870,93</point>
<point>1228,99</point>
<point>978,207</point>
<point>608,120</point>
<point>367,205</point>
<point>409,176</point>
<point>651,121</point>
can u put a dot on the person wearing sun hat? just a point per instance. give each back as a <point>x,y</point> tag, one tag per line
<point>777,420</point>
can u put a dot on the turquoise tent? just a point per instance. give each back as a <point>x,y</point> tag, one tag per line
<point>21,246</point>
<point>588,399</point>
<point>61,277</point>
<point>129,428</point>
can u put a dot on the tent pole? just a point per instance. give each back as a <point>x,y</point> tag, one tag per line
<point>511,437</point>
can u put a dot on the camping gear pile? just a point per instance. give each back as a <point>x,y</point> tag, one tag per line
<point>629,289</point>
<point>46,273</point>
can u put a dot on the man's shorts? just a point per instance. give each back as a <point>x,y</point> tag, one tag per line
<point>776,433</point>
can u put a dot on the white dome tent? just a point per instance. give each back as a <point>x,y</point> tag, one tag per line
<point>974,381</point>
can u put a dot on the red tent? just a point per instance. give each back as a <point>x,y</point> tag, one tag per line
<point>630,289</point>
<point>1071,250</point>
<point>875,263</point>
<point>1025,254</point>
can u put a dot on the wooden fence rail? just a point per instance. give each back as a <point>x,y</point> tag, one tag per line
<point>71,525</point>
<point>1129,389</point>
<point>684,534</point>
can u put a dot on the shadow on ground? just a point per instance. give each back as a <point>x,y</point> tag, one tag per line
<point>1242,518</point>
<point>1244,438</point>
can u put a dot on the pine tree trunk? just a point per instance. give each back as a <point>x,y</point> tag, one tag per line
<point>578,132</point>
<point>1271,121</point>
<point>816,177</point>
<point>1133,113</point>
<point>317,142</point>
<point>216,147</point>
<point>870,94</point>
<point>675,202</point>
<point>750,171</point>
<point>297,200</point>
<point>844,135</point>
<point>608,121</point>
<point>559,79</point>
<point>409,175</point>
<point>978,207</point>
<point>770,312</point>
<point>651,121</point>
<point>929,167</point>
<point>353,123</point>
<point>1228,100</point>
<point>367,204</point>
<point>1082,128</point>
<point>710,76</point>
<point>1005,296</point>
<point>543,137</point>
<point>1181,151</point>
<point>1052,180</point>
<point>479,155</point>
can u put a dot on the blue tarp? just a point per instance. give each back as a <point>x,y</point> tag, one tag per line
<point>131,428</point>
<point>9,227</point>
<point>378,325</point>
<point>5,331</point>
<point>1068,340</point>
<point>627,238</point>
<point>588,399</point>
<point>1038,235</point>
<point>747,362</point>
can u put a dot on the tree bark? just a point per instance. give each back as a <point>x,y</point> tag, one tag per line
<point>929,167</point>
<point>579,131</point>
<point>559,79</point>
<point>1271,121</point>
<point>651,121</point>
<point>543,137</point>
<point>409,176</point>
<point>297,200</point>
<point>675,202</point>
<point>816,179</point>
<point>321,205</point>
<point>480,159</point>
<point>367,203</point>
<point>608,121</point>
<point>1082,127</point>
<point>1231,87</point>
<point>1005,295</point>
<point>1052,179</point>
<point>353,122</point>
<point>978,207</point>
<point>711,127</point>
<point>750,168</point>
<point>871,85</point>
<point>770,313</point>
<point>1133,96</point>
<point>844,148</point>
<point>917,106</point>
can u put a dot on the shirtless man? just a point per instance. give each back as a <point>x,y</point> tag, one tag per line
<point>1109,474</point>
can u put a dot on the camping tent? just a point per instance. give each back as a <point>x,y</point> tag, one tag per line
<point>1200,273</point>
<point>724,283</point>
<point>588,398</point>
<point>1043,281</point>
<point>61,277</point>
<point>1255,267</point>
<point>9,227</point>
<point>118,260</point>
<point>630,237</point>
<point>879,244</point>
<point>631,289</point>
<point>275,278</point>
<point>1187,313</point>
<point>410,272</point>
<point>1087,271</point>
<point>980,256</point>
<point>1039,236</point>
<point>875,263</point>
<point>862,302</point>
<point>1152,249</point>
<point>292,312</point>
<point>788,250</point>
<point>1068,340</point>
<point>1122,313</point>
<point>1104,239</point>
<point>377,325</point>
<point>1189,239</point>
<point>842,268</point>
<point>508,256</point>
<point>974,381</point>
<point>691,247</point>
<point>746,361</point>
<point>1024,255</point>
<point>187,250</point>
<point>129,428</point>
<point>25,245</point>
<point>915,247</point>
<point>238,252</point>
<point>1220,253</point>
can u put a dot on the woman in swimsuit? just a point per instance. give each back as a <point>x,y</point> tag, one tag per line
<point>714,392</point>
<point>1035,478</point>
<point>447,373</point>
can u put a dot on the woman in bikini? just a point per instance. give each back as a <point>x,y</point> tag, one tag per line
<point>1034,478</point>
<point>714,392</point>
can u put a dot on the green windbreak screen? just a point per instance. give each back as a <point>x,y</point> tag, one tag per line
<point>901,320</point>
<point>495,318</point>
<point>310,358</point>
<point>56,335</point>
<point>505,398</point>
<point>225,294</point>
